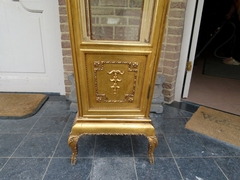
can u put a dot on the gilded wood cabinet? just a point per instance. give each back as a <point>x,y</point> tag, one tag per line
<point>116,46</point>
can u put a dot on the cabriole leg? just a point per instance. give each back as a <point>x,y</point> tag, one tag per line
<point>152,144</point>
<point>73,143</point>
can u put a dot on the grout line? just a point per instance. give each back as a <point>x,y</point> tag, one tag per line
<point>213,157</point>
<point>56,148</point>
<point>220,169</point>
<point>23,140</point>
<point>172,155</point>
<point>27,157</point>
<point>205,157</point>
<point>93,158</point>
<point>3,122</point>
<point>134,162</point>
<point>5,163</point>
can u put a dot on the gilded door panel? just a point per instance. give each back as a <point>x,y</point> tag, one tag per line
<point>115,82</point>
<point>114,79</point>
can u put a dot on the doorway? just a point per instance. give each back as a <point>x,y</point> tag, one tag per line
<point>209,89</point>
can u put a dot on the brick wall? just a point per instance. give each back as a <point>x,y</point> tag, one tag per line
<point>116,20</point>
<point>170,52</point>
<point>171,47</point>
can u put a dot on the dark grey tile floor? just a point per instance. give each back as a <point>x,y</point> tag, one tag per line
<point>36,148</point>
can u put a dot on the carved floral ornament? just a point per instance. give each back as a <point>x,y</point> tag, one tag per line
<point>99,66</point>
<point>115,80</point>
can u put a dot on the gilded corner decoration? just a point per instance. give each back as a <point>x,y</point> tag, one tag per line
<point>116,79</point>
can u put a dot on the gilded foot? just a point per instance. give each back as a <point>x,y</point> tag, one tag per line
<point>72,142</point>
<point>152,144</point>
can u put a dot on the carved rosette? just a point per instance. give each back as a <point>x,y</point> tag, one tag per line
<point>99,66</point>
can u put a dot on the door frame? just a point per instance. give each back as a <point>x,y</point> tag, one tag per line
<point>190,37</point>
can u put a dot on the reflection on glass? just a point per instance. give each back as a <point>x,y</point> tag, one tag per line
<point>118,20</point>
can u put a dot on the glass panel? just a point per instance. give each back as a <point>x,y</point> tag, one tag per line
<point>117,20</point>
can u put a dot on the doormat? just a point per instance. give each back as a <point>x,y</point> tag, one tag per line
<point>215,67</point>
<point>20,105</point>
<point>216,124</point>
